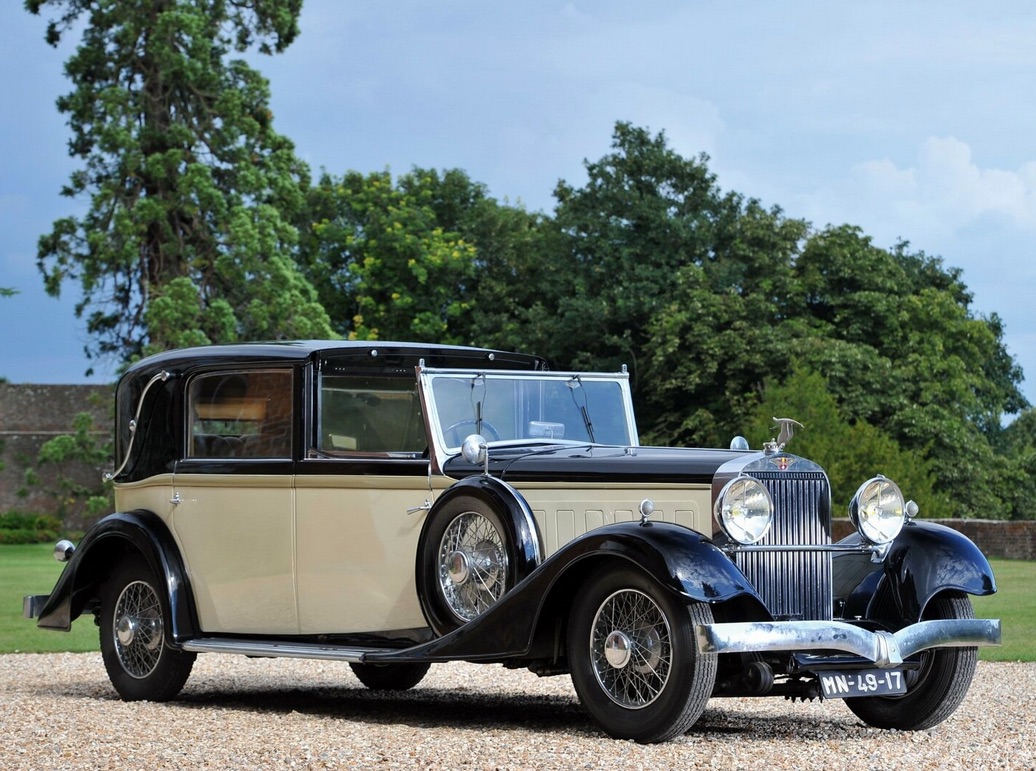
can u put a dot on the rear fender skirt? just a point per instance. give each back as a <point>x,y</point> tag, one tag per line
<point>141,532</point>
<point>924,560</point>
<point>680,559</point>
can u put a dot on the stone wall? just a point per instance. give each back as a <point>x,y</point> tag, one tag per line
<point>996,538</point>
<point>29,416</point>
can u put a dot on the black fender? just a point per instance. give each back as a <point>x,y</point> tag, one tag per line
<point>680,559</point>
<point>110,539</point>
<point>925,559</point>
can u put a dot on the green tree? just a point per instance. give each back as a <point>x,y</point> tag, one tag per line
<point>643,214</point>
<point>188,236</point>
<point>515,277</point>
<point>709,296</point>
<point>850,451</point>
<point>85,447</point>
<point>383,265</point>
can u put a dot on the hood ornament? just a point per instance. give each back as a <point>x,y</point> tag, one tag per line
<point>786,431</point>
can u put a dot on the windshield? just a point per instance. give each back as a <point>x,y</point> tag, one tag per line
<point>533,407</point>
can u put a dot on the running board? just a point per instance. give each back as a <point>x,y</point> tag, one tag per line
<point>288,650</point>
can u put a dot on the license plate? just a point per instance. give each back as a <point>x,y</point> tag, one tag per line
<point>867,682</point>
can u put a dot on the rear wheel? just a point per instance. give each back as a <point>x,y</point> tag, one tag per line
<point>390,677</point>
<point>139,663</point>
<point>633,658</point>
<point>936,689</point>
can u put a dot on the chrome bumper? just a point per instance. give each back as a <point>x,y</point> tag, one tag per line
<point>884,649</point>
<point>32,604</point>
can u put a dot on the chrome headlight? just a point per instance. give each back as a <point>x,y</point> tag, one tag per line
<point>744,510</point>
<point>877,510</point>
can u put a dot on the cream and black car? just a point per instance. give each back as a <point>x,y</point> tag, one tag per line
<point>394,505</point>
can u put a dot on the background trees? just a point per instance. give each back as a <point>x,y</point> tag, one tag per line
<point>188,236</point>
<point>203,226</point>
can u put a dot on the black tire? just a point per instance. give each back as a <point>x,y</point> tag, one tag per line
<point>133,618</point>
<point>390,677</point>
<point>936,689</point>
<point>466,561</point>
<point>634,662</point>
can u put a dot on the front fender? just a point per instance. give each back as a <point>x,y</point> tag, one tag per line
<point>925,559</point>
<point>928,558</point>
<point>110,539</point>
<point>680,559</point>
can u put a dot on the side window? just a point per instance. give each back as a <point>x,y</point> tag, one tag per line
<point>379,415</point>
<point>245,414</point>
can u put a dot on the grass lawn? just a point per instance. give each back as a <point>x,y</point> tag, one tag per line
<point>32,570</point>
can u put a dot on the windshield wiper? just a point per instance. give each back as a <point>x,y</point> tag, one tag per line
<point>573,384</point>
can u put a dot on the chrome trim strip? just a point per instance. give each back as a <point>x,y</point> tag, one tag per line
<point>160,377</point>
<point>885,649</point>
<point>860,548</point>
<point>286,650</point>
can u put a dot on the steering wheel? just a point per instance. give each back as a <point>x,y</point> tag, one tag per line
<point>487,427</point>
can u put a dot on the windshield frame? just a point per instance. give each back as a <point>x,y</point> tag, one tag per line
<point>442,449</point>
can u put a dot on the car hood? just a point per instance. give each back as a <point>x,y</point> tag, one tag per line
<point>600,464</point>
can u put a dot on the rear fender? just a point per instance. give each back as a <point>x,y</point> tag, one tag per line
<point>116,537</point>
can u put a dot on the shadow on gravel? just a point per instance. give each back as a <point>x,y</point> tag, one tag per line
<point>421,707</point>
<point>438,708</point>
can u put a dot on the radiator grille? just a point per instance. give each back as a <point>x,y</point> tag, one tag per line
<point>794,585</point>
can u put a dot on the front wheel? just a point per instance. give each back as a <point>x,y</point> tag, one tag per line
<point>935,689</point>
<point>139,663</point>
<point>634,662</point>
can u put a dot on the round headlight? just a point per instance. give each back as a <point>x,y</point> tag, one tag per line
<point>877,510</point>
<point>744,510</point>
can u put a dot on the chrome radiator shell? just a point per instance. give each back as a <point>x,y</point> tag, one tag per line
<point>794,585</point>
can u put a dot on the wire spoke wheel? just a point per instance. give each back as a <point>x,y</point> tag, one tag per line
<point>138,629</point>
<point>632,654</point>
<point>472,565</point>
<point>133,620</point>
<point>631,649</point>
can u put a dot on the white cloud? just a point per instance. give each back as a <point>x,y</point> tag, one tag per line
<point>945,190</point>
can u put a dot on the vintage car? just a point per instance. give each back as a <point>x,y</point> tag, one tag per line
<point>393,505</point>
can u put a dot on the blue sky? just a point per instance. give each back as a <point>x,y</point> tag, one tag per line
<point>913,121</point>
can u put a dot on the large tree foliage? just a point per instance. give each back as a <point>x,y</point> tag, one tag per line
<point>383,266</point>
<point>710,297</point>
<point>188,235</point>
<point>428,256</point>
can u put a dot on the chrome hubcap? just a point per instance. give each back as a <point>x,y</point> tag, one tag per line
<point>472,565</point>
<point>617,648</point>
<point>458,568</point>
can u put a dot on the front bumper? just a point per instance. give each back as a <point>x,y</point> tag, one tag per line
<point>883,649</point>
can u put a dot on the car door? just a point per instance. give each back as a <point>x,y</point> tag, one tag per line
<point>358,498</point>
<point>234,513</point>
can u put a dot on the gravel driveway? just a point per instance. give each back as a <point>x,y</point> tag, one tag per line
<point>59,712</point>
